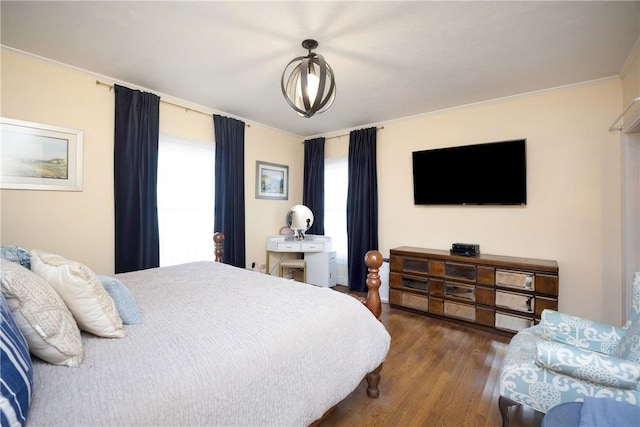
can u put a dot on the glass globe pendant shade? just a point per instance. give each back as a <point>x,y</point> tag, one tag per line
<point>312,87</point>
<point>308,83</point>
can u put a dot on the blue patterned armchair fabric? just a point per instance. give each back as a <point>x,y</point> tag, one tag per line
<point>581,333</point>
<point>566,358</point>
<point>587,365</point>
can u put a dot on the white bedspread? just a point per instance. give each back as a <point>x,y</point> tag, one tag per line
<point>218,346</point>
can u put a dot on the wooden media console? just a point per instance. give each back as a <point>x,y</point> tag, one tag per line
<point>505,294</point>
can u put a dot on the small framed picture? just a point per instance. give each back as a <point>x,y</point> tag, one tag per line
<point>39,157</point>
<point>272,181</point>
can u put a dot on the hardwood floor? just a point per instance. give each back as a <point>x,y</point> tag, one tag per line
<point>437,373</point>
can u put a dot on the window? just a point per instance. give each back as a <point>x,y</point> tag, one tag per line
<point>185,200</point>
<point>336,179</point>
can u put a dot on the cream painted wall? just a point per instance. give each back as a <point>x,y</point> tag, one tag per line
<point>573,213</point>
<point>79,225</point>
<point>574,189</point>
<point>266,217</point>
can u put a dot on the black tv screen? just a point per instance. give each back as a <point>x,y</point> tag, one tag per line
<point>483,174</point>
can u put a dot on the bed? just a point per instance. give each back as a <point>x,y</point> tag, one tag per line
<point>219,345</point>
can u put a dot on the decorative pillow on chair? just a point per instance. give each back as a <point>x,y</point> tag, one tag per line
<point>587,365</point>
<point>579,332</point>
<point>126,305</point>
<point>41,315</point>
<point>16,369</point>
<point>91,305</point>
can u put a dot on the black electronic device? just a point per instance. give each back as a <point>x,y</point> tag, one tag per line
<point>494,173</point>
<point>465,249</point>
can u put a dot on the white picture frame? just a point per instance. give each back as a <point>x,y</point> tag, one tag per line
<point>35,156</point>
<point>272,181</point>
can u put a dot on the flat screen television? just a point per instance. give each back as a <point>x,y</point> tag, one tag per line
<point>494,173</point>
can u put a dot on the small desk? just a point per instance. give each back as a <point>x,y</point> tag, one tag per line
<point>315,250</point>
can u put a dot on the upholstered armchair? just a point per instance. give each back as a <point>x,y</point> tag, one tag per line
<point>566,358</point>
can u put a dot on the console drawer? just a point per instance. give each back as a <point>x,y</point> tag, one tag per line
<point>414,301</point>
<point>417,283</point>
<point>460,311</point>
<point>460,271</point>
<point>417,265</point>
<point>515,279</point>
<point>460,291</point>
<point>512,322</point>
<point>514,301</point>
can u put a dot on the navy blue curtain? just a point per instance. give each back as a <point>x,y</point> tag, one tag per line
<point>313,185</point>
<point>229,210</point>
<point>362,205</point>
<point>135,164</point>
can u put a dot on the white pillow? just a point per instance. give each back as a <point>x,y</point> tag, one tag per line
<point>41,315</point>
<point>79,287</point>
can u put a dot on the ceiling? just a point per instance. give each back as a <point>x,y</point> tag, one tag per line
<point>392,59</point>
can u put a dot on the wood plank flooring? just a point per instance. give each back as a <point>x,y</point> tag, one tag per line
<point>437,373</point>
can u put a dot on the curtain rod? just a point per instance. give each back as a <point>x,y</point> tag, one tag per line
<point>186,109</point>
<point>346,134</point>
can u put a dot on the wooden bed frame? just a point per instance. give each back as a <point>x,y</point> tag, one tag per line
<point>373,261</point>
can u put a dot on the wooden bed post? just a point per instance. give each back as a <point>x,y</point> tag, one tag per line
<point>373,260</point>
<point>218,238</point>
<point>373,380</point>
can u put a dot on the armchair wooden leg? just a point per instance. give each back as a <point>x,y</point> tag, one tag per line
<point>503,404</point>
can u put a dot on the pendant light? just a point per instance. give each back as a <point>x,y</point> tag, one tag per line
<point>308,83</point>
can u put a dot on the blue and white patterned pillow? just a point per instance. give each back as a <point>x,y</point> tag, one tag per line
<point>579,332</point>
<point>17,372</point>
<point>125,304</point>
<point>16,254</point>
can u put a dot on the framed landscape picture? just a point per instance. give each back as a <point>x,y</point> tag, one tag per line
<point>272,181</point>
<point>39,157</point>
